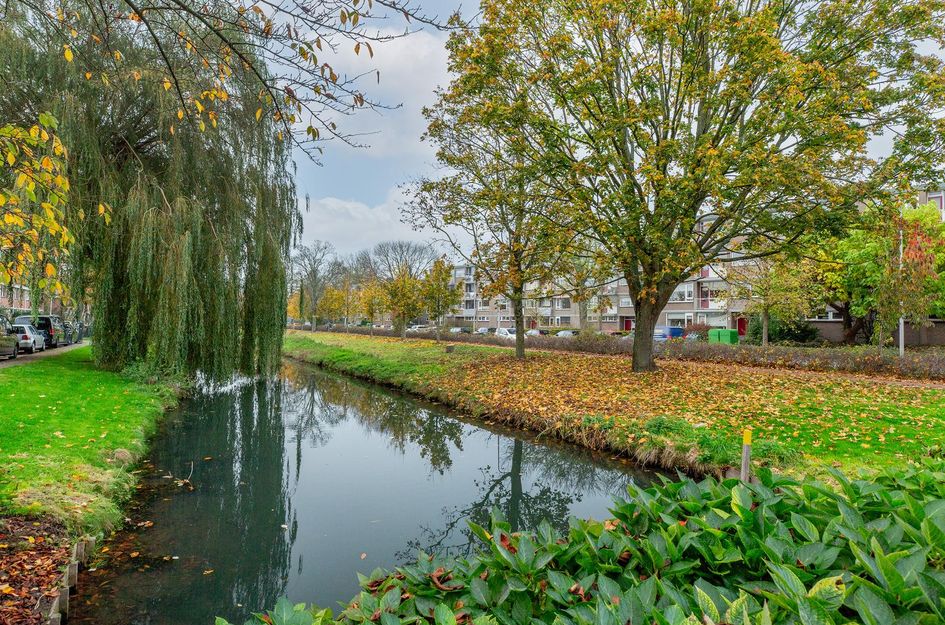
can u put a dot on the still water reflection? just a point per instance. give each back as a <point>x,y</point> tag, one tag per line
<point>302,481</point>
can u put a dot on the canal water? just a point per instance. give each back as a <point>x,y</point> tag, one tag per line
<point>291,486</point>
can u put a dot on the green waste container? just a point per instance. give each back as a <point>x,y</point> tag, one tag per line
<point>714,335</point>
<point>728,337</point>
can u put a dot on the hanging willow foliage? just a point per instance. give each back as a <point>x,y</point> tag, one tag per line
<point>190,273</point>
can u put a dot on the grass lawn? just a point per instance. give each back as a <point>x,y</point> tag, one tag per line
<point>67,433</point>
<point>687,414</point>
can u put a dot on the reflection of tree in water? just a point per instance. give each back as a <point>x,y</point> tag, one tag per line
<point>233,521</point>
<point>562,480</point>
<point>316,401</point>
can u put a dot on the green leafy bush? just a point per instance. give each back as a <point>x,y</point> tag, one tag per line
<point>780,331</point>
<point>869,551</point>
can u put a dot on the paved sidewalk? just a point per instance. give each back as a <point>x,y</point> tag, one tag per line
<point>25,358</point>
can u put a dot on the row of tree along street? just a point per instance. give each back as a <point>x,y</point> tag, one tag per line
<point>402,279</point>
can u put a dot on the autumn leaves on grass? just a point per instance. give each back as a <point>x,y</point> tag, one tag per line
<point>695,412</point>
<point>686,415</point>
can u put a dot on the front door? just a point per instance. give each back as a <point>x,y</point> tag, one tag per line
<point>627,324</point>
<point>742,325</point>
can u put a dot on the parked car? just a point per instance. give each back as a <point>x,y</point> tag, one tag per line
<point>9,344</point>
<point>484,330</point>
<point>536,332</point>
<point>30,339</point>
<point>566,334</point>
<point>505,333</point>
<point>419,328</point>
<point>50,325</point>
<point>460,330</point>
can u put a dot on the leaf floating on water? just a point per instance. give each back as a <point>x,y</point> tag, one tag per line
<point>363,555</point>
<point>208,572</point>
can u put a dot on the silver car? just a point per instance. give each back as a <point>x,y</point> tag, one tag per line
<point>30,339</point>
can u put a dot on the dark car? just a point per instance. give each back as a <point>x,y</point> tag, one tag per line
<point>9,342</point>
<point>50,325</point>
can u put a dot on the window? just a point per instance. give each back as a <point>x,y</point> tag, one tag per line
<point>530,303</point>
<point>468,270</point>
<point>469,304</point>
<point>545,301</point>
<point>625,302</point>
<point>484,303</point>
<point>565,321</point>
<point>592,317</point>
<point>505,318</point>
<point>482,318</point>
<point>564,303</point>
<point>609,318</point>
<point>470,287</point>
<point>682,293</point>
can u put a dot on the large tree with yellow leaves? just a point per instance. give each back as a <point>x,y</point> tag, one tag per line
<point>678,133</point>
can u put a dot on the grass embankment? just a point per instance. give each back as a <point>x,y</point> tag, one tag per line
<point>70,433</point>
<point>687,414</point>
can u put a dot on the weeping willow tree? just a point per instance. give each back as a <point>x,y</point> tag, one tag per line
<point>187,270</point>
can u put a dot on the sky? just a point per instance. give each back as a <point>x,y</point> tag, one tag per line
<point>354,193</point>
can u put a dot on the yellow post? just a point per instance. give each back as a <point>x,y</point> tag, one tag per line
<point>746,455</point>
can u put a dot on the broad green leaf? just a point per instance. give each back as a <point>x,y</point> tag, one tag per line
<point>442,615</point>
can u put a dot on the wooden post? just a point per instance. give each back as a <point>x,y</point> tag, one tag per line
<point>746,456</point>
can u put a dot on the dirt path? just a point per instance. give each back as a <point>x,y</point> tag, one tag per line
<point>25,358</point>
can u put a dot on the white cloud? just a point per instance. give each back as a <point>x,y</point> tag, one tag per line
<point>358,202</point>
<point>351,225</point>
<point>411,68</point>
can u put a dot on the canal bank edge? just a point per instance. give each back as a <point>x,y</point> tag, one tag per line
<point>59,608</point>
<point>73,467</point>
<point>662,452</point>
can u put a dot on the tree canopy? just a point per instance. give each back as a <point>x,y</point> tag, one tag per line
<point>190,272</point>
<point>678,132</point>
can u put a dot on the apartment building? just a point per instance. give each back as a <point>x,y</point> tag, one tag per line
<point>700,299</point>
<point>14,297</point>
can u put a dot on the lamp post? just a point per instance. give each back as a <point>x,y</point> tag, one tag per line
<point>902,320</point>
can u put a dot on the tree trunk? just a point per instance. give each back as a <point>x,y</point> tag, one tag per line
<point>765,318</point>
<point>403,328</point>
<point>314,316</point>
<point>518,306</point>
<point>647,313</point>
